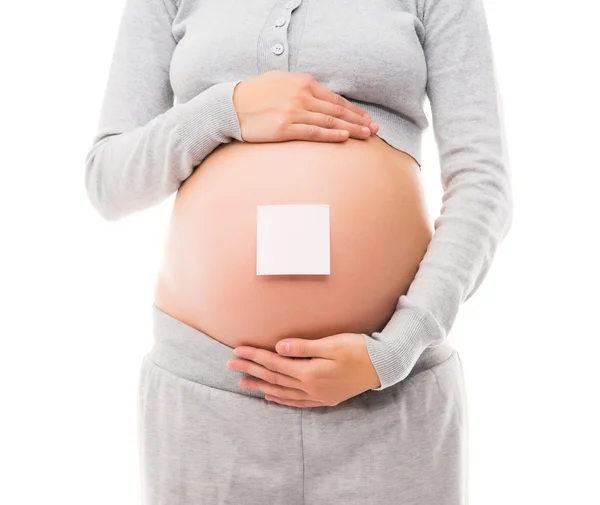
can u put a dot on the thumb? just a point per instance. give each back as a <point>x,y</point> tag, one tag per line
<point>301,348</point>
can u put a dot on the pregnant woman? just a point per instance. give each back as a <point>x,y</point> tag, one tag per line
<point>237,105</point>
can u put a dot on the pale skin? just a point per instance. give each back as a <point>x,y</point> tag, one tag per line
<point>365,181</point>
<point>312,373</point>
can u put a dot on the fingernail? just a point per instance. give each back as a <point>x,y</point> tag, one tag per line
<point>373,126</point>
<point>285,347</point>
<point>366,130</point>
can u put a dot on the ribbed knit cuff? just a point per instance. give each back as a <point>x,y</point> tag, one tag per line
<point>395,350</point>
<point>224,108</point>
<point>209,119</point>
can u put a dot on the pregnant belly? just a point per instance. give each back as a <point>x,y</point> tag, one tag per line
<point>379,232</point>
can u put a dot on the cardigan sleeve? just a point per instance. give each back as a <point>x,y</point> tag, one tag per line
<point>476,207</point>
<point>144,146</point>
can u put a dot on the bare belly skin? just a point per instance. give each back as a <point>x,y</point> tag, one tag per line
<point>379,226</point>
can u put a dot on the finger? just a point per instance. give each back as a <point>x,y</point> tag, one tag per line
<point>325,348</point>
<point>339,111</point>
<point>300,131</point>
<point>294,403</point>
<point>273,361</point>
<point>251,367</point>
<point>326,121</point>
<point>322,92</point>
<point>272,389</point>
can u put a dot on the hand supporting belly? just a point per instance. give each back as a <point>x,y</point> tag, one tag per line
<point>379,229</point>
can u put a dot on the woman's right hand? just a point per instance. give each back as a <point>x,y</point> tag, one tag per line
<point>277,106</point>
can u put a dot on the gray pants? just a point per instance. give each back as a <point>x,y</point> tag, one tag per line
<point>205,441</point>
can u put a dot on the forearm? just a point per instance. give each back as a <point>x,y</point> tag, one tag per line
<point>133,170</point>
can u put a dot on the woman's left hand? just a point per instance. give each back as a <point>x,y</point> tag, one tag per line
<point>312,373</point>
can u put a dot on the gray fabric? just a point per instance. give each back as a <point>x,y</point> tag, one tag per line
<point>386,56</point>
<point>204,440</point>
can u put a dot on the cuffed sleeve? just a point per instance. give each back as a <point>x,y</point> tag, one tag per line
<point>476,209</point>
<point>145,146</point>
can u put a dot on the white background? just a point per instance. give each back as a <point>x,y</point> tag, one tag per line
<point>76,290</point>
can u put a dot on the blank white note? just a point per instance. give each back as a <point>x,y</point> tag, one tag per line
<point>292,239</point>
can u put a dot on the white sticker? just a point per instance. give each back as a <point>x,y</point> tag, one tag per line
<point>292,239</point>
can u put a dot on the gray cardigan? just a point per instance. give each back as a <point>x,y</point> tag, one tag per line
<point>168,105</point>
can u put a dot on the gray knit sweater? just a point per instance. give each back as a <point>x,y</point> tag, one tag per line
<point>168,105</point>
